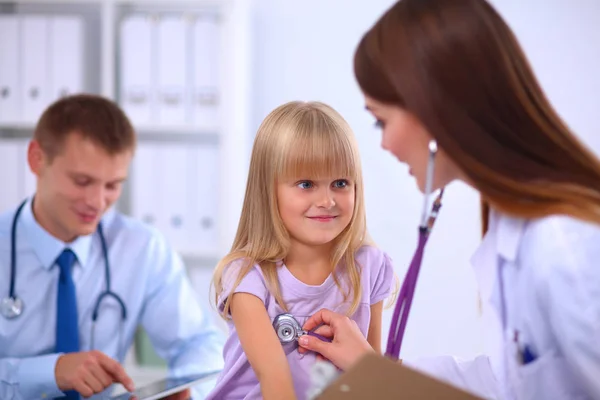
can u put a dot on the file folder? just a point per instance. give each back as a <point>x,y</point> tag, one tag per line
<point>205,207</point>
<point>9,175</point>
<point>145,189</point>
<point>136,73</point>
<point>379,378</point>
<point>66,56</point>
<point>172,70</point>
<point>35,93</point>
<point>205,95</point>
<point>27,178</point>
<point>9,69</point>
<point>175,183</point>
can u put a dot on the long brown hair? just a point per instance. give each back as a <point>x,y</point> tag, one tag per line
<point>457,66</point>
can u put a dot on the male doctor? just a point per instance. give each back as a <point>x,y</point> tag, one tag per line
<point>51,286</point>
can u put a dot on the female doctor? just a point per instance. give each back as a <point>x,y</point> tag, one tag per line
<point>452,71</point>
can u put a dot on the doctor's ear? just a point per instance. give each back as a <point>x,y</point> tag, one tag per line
<point>35,157</point>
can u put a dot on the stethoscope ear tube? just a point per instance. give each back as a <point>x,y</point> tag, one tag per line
<point>428,181</point>
<point>403,305</point>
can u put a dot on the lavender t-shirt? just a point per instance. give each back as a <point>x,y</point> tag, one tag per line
<point>238,380</point>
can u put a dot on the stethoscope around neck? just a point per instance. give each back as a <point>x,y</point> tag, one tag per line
<point>289,330</point>
<point>12,306</point>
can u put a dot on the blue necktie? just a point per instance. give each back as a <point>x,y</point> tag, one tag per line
<point>67,331</point>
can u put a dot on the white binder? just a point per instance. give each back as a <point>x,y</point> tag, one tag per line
<point>205,199</point>
<point>35,90</point>
<point>9,68</point>
<point>28,180</point>
<point>136,76</point>
<point>9,174</point>
<point>145,188</point>
<point>66,56</point>
<point>175,183</point>
<point>205,96</point>
<point>172,70</point>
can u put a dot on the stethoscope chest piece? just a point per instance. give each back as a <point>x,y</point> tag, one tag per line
<point>11,307</point>
<point>287,328</point>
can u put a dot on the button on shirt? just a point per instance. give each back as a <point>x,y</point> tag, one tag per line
<point>145,272</point>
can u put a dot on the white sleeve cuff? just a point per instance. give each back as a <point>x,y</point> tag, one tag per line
<point>37,379</point>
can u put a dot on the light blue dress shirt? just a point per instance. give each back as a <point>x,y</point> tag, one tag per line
<point>145,272</point>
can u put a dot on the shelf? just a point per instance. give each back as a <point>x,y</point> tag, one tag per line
<point>183,129</point>
<point>177,133</point>
<point>17,126</point>
<point>142,129</point>
<point>161,3</point>
<point>170,134</point>
<point>161,6</point>
<point>208,259</point>
<point>16,130</point>
<point>228,131</point>
<point>51,2</point>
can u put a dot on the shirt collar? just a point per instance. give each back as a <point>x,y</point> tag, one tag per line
<point>502,239</point>
<point>46,247</point>
<point>509,233</point>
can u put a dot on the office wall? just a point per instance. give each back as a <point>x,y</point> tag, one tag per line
<point>304,50</point>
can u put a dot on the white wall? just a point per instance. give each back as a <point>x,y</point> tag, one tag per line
<point>304,50</point>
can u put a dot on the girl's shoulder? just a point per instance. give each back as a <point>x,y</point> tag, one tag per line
<point>377,273</point>
<point>371,257</point>
<point>241,265</point>
<point>241,275</point>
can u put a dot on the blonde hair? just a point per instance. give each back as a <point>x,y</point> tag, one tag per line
<point>297,139</point>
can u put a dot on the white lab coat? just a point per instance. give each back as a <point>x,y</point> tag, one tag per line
<point>549,269</point>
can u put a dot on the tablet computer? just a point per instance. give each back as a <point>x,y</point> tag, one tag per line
<point>165,387</point>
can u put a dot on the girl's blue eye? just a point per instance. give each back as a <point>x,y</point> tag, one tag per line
<point>379,124</point>
<point>305,185</point>
<point>340,183</point>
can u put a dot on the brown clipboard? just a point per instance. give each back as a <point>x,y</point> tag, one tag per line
<point>380,378</point>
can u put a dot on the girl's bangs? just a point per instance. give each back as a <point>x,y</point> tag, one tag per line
<point>320,154</point>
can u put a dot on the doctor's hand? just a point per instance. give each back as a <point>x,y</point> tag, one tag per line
<point>348,343</point>
<point>89,373</point>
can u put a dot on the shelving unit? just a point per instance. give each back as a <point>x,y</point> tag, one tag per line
<point>101,27</point>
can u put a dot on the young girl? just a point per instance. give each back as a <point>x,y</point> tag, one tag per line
<point>300,246</point>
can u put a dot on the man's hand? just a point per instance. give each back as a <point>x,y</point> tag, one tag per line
<point>89,373</point>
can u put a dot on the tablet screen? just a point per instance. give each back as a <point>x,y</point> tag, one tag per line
<point>166,387</point>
